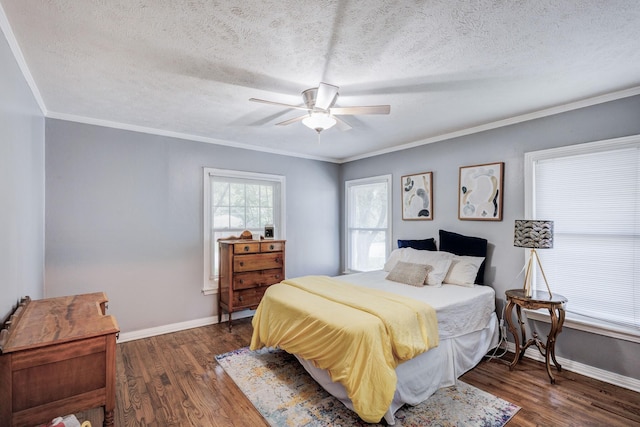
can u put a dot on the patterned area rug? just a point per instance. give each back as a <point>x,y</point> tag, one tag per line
<point>283,392</point>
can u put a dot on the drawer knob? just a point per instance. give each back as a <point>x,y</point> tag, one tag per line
<point>272,247</point>
<point>241,263</point>
<point>240,298</point>
<point>277,259</point>
<point>277,276</point>
<point>242,281</point>
<point>246,248</point>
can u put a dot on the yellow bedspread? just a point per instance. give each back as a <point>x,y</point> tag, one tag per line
<point>358,334</point>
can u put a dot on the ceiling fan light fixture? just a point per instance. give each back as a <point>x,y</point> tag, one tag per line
<point>319,121</point>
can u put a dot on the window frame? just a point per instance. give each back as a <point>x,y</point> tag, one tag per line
<point>210,282</point>
<point>388,180</point>
<point>572,320</point>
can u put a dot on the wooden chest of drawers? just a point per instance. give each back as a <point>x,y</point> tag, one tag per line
<point>247,268</point>
<point>58,356</point>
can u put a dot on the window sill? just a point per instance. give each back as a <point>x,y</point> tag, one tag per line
<point>209,291</point>
<point>582,323</point>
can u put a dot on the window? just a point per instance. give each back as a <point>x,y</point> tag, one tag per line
<point>592,193</point>
<point>234,202</point>
<point>368,217</point>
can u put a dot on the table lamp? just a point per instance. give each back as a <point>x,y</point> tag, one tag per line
<point>534,234</point>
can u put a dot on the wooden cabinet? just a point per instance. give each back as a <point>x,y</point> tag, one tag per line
<point>58,357</point>
<point>247,268</point>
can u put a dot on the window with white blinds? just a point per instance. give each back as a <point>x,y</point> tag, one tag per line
<point>368,218</point>
<point>592,193</point>
<point>235,201</point>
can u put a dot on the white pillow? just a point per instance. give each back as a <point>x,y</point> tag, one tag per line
<point>395,256</point>
<point>439,262</point>
<point>463,270</point>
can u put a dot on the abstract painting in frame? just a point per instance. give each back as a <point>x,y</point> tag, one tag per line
<point>480,192</point>
<point>417,196</point>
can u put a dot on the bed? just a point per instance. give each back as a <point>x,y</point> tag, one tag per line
<point>466,326</point>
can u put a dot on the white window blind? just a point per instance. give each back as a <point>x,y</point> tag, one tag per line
<point>368,214</point>
<point>592,193</point>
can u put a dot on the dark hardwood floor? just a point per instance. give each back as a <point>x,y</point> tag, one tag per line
<point>174,380</point>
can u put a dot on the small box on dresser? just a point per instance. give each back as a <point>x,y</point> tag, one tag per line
<point>247,268</point>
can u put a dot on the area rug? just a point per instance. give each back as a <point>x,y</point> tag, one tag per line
<point>286,395</point>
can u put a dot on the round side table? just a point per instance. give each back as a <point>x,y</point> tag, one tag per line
<point>555,303</point>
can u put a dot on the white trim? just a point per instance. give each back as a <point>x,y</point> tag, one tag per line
<point>594,326</point>
<point>22,64</point>
<point>591,147</point>
<point>209,290</point>
<point>181,326</point>
<point>388,178</point>
<point>569,365</point>
<point>582,369</point>
<point>206,232</point>
<point>533,156</point>
<point>626,93</point>
<point>17,52</point>
<point>180,135</point>
<point>575,321</point>
<point>209,286</point>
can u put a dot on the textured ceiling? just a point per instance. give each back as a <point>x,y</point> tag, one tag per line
<point>445,66</point>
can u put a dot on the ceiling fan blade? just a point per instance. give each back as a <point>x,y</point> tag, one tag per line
<point>288,122</point>
<point>342,125</point>
<point>326,96</point>
<point>264,101</point>
<point>370,109</point>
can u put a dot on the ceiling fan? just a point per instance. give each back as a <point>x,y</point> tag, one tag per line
<point>321,114</point>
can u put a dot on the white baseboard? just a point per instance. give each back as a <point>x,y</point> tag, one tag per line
<point>181,326</point>
<point>531,353</point>
<point>582,369</point>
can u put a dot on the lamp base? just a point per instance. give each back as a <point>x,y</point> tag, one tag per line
<point>528,292</point>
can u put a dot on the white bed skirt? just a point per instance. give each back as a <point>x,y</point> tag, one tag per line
<point>421,376</point>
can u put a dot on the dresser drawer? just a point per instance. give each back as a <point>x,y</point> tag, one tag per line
<point>247,298</point>
<point>271,246</point>
<point>246,248</point>
<point>247,269</point>
<point>258,262</point>
<point>257,278</point>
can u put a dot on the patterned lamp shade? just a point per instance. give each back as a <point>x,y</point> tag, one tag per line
<point>533,234</point>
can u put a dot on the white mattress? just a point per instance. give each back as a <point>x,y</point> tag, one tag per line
<point>459,309</point>
<point>468,328</point>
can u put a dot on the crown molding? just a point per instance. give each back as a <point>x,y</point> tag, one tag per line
<point>17,54</point>
<point>587,102</point>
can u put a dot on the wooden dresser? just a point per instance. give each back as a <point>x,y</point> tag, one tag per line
<point>247,268</point>
<point>57,357</point>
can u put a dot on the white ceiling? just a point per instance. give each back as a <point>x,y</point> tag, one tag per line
<point>446,67</point>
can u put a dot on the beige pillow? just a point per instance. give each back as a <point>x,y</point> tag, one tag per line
<point>409,273</point>
<point>463,270</point>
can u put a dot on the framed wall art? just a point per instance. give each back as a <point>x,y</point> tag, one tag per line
<point>480,192</point>
<point>417,196</point>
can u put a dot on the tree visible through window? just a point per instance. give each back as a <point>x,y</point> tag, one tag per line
<point>234,202</point>
<point>368,213</point>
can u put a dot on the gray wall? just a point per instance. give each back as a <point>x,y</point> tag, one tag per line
<point>508,144</point>
<point>21,186</point>
<point>124,210</point>
<point>124,216</point>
